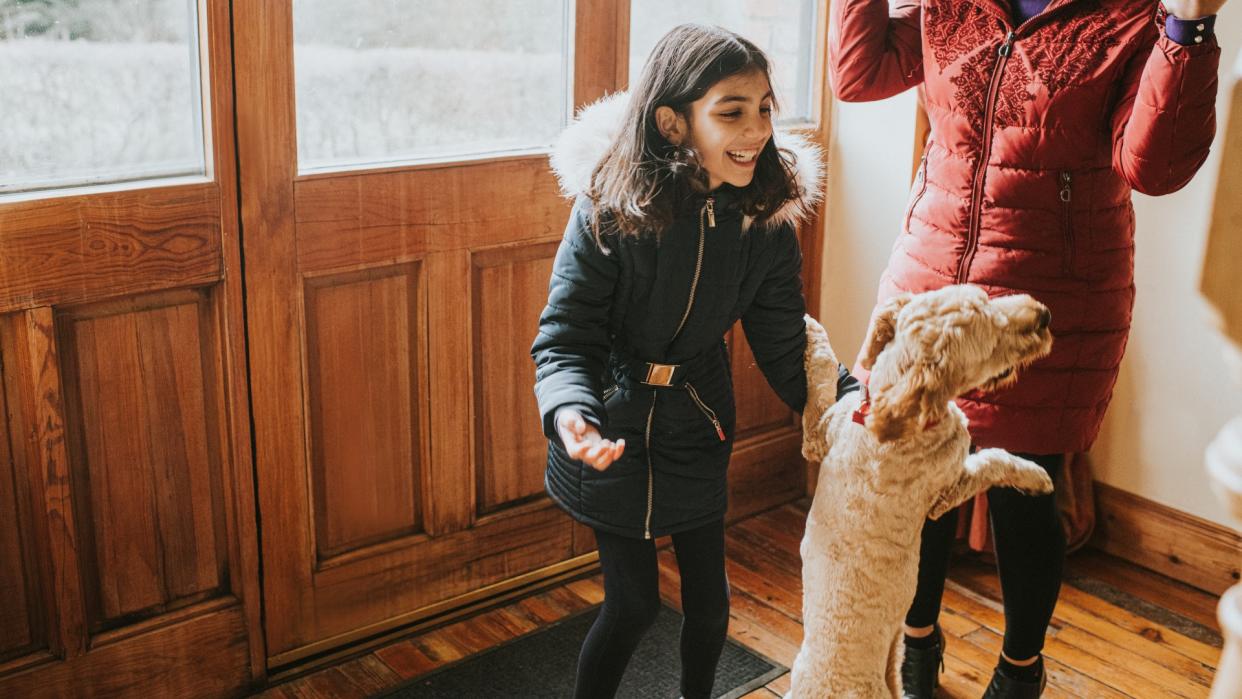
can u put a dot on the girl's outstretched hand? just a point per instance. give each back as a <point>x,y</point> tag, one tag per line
<point>1193,9</point>
<point>583,442</point>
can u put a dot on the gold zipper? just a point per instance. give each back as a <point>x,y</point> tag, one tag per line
<point>650,468</point>
<point>708,212</point>
<point>708,412</point>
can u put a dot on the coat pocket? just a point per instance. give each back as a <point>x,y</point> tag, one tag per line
<point>707,412</point>
<point>919,187</point>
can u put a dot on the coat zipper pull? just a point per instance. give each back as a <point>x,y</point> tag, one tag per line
<point>711,212</point>
<point>1065,187</point>
<point>719,430</point>
<point>1007,46</point>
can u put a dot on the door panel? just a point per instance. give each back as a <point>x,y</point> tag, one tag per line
<point>127,520</point>
<point>394,288</point>
<point>509,288</point>
<point>149,500</point>
<point>401,302</point>
<point>365,372</point>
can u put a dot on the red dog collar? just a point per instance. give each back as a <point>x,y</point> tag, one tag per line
<point>864,408</point>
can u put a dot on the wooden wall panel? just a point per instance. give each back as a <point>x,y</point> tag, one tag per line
<point>366,382</point>
<point>32,386</point>
<point>76,249</point>
<point>510,289</point>
<point>348,219</point>
<point>142,417</point>
<point>758,407</point>
<point>1160,538</point>
<point>21,610</point>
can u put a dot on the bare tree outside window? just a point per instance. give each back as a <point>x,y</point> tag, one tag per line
<point>98,91</point>
<point>382,81</point>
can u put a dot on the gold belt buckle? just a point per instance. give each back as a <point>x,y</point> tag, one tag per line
<point>660,374</point>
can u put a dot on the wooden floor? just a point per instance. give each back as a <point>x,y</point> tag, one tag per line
<point>1118,631</point>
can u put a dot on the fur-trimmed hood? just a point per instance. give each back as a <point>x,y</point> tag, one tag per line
<point>581,145</point>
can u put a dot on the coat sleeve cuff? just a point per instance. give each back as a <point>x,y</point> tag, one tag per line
<point>1190,32</point>
<point>588,413</point>
<point>846,383</point>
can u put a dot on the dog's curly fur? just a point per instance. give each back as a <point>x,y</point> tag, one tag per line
<point>912,460</point>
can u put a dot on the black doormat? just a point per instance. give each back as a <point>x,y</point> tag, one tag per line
<point>542,664</point>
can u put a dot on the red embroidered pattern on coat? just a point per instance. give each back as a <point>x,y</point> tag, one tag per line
<point>1014,93</point>
<point>1061,53</point>
<point>1074,48</point>
<point>971,90</point>
<point>956,28</point>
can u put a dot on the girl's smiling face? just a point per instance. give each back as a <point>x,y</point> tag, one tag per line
<point>727,127</point>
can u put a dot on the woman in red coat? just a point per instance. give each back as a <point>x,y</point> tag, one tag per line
<point>1044,116</point>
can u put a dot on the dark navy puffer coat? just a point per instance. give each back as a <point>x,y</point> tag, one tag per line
<point>627,303</point>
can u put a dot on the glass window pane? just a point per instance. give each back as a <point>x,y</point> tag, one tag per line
<point>98,91</point>
<point>383,81</point>
<point>784,29</point>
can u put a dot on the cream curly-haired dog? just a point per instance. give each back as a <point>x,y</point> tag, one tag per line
<point>887,464</point>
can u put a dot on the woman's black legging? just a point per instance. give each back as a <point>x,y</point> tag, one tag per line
<point>1030,554</point>
<point>632,599</point>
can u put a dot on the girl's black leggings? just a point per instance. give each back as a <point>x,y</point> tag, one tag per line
<point>632,598</point>
<point>1030,554</point>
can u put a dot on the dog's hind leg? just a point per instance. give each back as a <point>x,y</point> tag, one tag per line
<point>895,652</point>
<point>989,468</point>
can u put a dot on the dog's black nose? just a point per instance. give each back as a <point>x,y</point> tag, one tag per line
<point>1045,318</point>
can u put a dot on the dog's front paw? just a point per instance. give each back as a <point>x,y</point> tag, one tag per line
<point>1031,479</point>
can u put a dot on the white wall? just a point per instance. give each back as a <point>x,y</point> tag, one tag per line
<point>1173,393</point>
<point>869,161</point>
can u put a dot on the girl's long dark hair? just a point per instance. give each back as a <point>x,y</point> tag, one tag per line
<point>640,180</point>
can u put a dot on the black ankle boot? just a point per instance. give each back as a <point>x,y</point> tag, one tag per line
<point>1003,686</point>
<point>921,667</point>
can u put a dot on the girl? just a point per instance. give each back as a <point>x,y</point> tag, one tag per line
<point>683,223</point>
<point>1044,116</point>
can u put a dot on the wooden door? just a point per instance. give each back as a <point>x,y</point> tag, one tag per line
<point>128,554</point>
<point>391,306</point>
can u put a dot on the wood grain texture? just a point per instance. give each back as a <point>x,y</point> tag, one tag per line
<point>602,48</point>
<point>75,249</point>
<point>510,289</point>
<point>22,612</point>
<point>149,501</point>
<point>1089,655</point>
<point>33,386</point>
<point>1160,538</point>
<point>167,422</point>
<point>759,409</point>
<point>204,656</point>
<point>366,377</point>
<point>349,220</point>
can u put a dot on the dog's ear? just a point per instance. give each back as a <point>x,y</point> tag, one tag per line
<point>883,328</point>
<point>917,392</point>
<point>898,407</point>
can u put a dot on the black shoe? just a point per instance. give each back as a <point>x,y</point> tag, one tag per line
<point>921,668</point>
<point>1003,686</point>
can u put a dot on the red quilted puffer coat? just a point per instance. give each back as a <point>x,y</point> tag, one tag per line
<point>1038,135</point>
